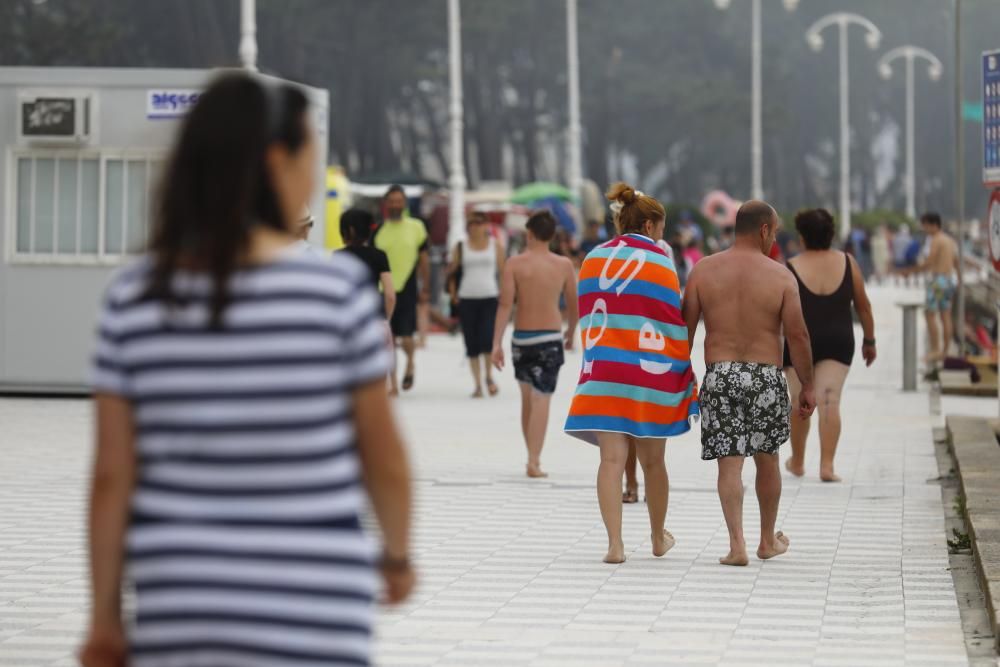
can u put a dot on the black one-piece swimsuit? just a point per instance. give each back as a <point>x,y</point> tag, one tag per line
<point>829,320</point>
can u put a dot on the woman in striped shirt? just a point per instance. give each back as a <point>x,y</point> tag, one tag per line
<point>242,415</point>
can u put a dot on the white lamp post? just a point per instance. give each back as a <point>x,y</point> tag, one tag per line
<point>248,34</point>
<point>456,178</point>
<point>573,75</point>
<point>934,70</point>
<point>873,37</point>
<point>756,131</point>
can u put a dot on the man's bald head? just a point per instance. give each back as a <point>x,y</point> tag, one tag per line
<point>752,216</point>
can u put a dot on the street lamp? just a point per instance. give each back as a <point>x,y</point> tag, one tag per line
<point>756,133</point>
<point>456,176</point>
<point>814,37</point>
<point>248,34</point>
<point>574,172</point>
<point>910,53</point>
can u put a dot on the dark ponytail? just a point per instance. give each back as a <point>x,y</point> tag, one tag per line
<point>216,186</point>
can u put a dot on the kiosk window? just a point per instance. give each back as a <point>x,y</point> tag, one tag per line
<point>82,206</point>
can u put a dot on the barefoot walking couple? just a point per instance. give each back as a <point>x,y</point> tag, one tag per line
<point>637,386</point>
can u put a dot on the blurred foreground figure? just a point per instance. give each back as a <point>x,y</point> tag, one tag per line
<point>241,414</point>
<point>830,282</point>
<point>636,387</point>
<point>534,280</point>
<point>747,301</point>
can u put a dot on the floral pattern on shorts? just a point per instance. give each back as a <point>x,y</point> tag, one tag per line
<point>745,410</point>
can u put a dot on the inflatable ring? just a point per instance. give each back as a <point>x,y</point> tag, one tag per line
<point>720,208</point>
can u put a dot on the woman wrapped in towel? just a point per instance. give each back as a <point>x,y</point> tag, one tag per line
<point>636,385</point>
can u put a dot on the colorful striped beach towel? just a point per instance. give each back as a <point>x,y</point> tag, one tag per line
<point>636,376</point>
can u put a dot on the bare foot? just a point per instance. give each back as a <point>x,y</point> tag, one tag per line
<point>829,476</point>
<point>616,554</point>
<point>736,557</point>
<point>778,547</point>
<point>663,544</point>
<point>535,471</point>
<point>393,393</point>
<point>478,393</point>
<point>797,470</point>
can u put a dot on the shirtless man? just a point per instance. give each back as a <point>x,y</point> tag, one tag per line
<point>534,280</point>
<point>746,300</point>
<point>940,265</point>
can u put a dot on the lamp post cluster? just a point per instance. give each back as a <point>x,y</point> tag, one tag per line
<point>843,21</point>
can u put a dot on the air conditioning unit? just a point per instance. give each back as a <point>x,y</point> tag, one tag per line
<point>46,117</point>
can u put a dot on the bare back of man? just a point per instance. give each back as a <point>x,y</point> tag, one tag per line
<point>943,256</point>
<point>747,301</point>
<point>539,280</point>
<point>742,317</point>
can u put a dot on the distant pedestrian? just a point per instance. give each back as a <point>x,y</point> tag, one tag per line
<point>475,264</point>
<point>747,301</point>
<point>881,253</point>
<point>940,264</point>
<point>591,237</point>
<point>534,281</point>
<point>830,282</point>
<point>901,240</point>
<point>404,240</point>
<point>356,227</point>
<point>693,253</point>
<point>636,386</point>
<point>242,415</point>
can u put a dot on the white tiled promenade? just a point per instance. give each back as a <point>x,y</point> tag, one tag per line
<point>511,569</point>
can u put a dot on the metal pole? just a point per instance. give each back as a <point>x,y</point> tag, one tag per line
<point>756,148</point>
<point>456,178</point>
<point>910,348</point>
<point>573,66</point>
<point>248,34</point>
<point>845,137</point>
<point>911,178</point>
<point>959,178</point>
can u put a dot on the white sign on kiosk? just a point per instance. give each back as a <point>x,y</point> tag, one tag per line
<point>170,103</point>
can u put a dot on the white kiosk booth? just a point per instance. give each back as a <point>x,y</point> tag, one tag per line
<point>80,152</point>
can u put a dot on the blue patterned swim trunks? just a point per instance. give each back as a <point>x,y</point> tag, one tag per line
<point>940,294</point>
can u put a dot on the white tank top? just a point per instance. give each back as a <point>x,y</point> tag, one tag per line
<point>479,272</point>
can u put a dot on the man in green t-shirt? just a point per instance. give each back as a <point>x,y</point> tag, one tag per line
<point>404,241</point>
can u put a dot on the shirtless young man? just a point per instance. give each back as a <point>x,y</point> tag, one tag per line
<point>534,280</point>
<point>746,300</point>
<point>940,265</point>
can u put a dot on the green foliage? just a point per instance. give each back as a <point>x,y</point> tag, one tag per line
<point>665,86</point>
<point>961,543</point>
<point>959,505</point>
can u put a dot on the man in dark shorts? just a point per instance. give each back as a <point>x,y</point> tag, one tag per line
<point>404,240</point>
<point>536,279</point>
<point>747,300</point>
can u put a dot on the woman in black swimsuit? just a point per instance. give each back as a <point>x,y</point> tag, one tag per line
<point>829,283</point>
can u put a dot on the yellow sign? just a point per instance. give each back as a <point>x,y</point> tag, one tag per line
<point>337,187</point>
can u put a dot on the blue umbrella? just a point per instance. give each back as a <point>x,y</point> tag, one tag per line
<point>560,210</point>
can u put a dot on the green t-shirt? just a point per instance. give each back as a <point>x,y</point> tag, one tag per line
<point>401,241</point>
